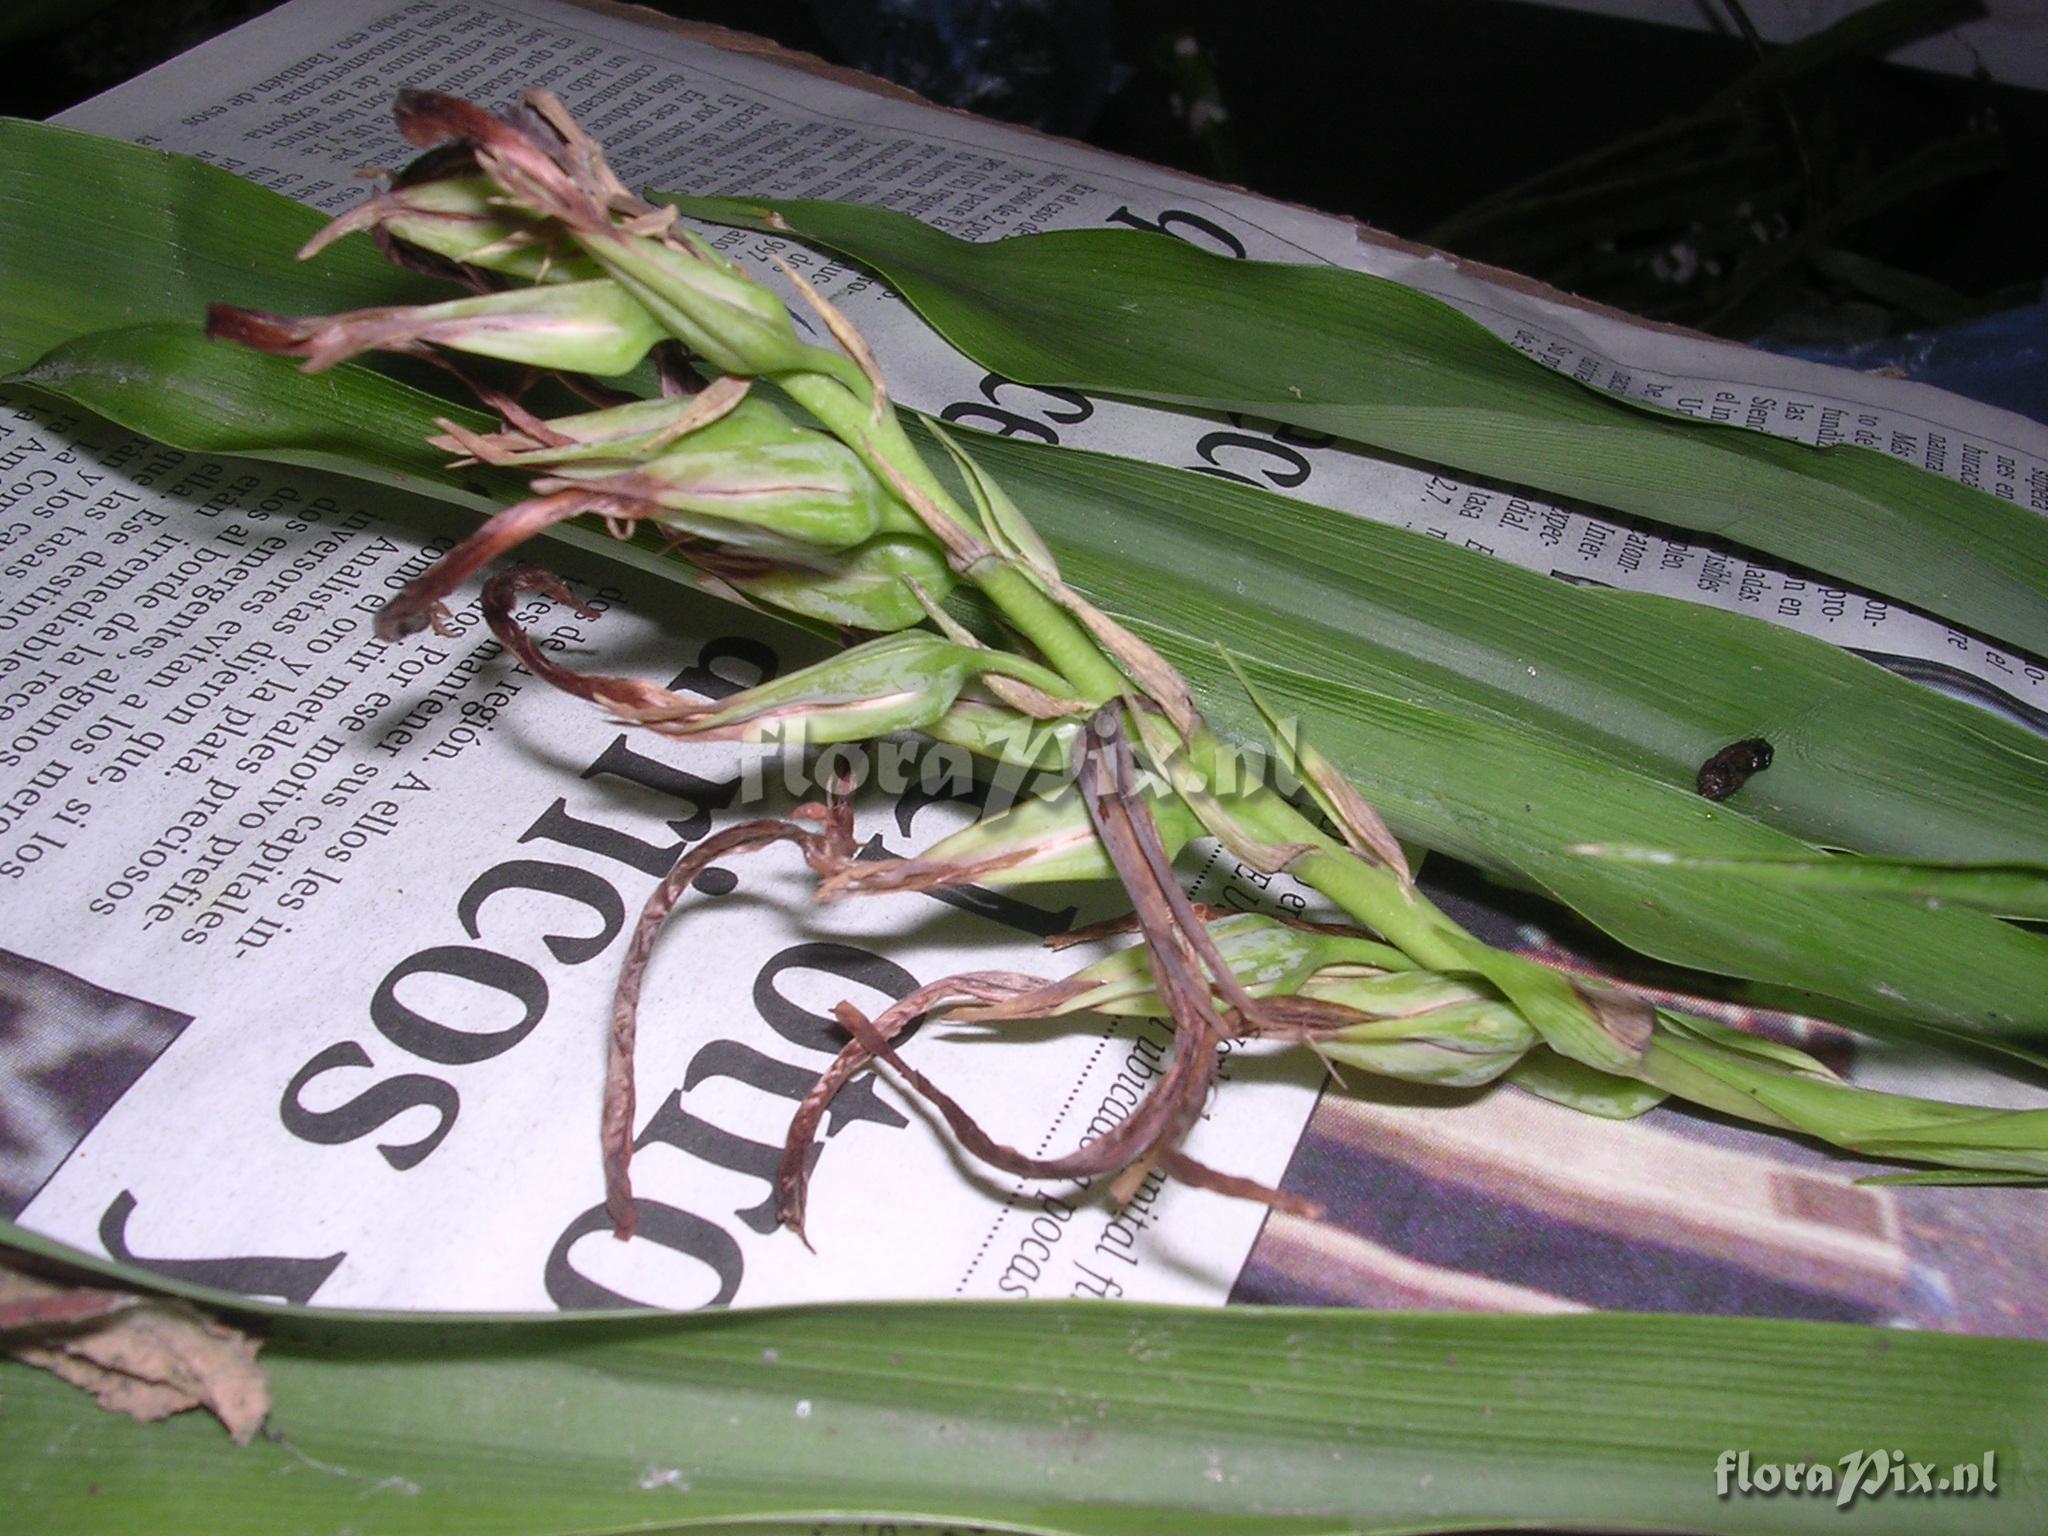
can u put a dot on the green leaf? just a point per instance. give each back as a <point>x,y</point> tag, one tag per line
<point>1864,760</point>
<point>1952,1177</point>
<point>2010,890</point>
<point>1876,1124</point>
<point>1443,764</point>
<point>1075,1418</point>
<point>168,381</point>
<point>1384,365</point>
<point>96,234</point>
<point>1411,664</point>
<point>1505,801</point>
<point>1718,1068</point>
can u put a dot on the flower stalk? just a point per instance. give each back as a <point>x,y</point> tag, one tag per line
<point>846,522</point>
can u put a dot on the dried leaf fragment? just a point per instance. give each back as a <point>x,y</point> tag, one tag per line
<point>141,1356</point>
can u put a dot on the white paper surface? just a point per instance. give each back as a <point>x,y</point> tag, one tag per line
<point>685,117</point>
<point>387,884</point>
<point>381,1131</point>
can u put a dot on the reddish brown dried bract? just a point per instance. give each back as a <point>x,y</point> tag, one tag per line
<point>825,846</point>
<point>257,329</point>
<point>1189,975</point>
<point>544,163</point>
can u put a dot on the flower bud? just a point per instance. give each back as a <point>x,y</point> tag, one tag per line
<point>1423,1028</point>
<point>734,323</point>
<point>750,470</point>
<point>464,219</point>
<point>1266,957</point>
<point>1000,734</point>
<point>864,588</point>
<point>552,170</point>
<point>1036,841</point>
<point>588,327</point>
<point>899,682</point>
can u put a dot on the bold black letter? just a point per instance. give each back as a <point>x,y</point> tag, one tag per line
<point>682,1231</point>
<point>553,880</point>
<point>292,1280</point>
<point>412,1031</point>
<point>376,1106</point>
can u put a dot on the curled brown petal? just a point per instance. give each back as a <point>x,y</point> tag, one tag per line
<point>616,1130</point>
<point>824,834</point>
<point>531,164</point>
<point>792,1174</point>
<point>501,595</point>
<point>1185,961</point>
<point>1189,974</point>
<point>431,120</point>
<point>1186,1080</point>
<point>578,153</point>
<point>370,215</point>
<point>1188,1171</point>
<point>1308,1019</point>
<point>1041,1002</point>
<point>260,330</point>
<point>917,873</point>
<point>414,605</point>
<point>1117,927</point>
<point>322,341</point>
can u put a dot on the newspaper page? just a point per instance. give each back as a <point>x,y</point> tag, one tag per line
<point>346,915</point>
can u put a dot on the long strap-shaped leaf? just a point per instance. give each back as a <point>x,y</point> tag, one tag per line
<point>1864,760</point>
<point>2009,889</point>
<point>1505,802</point>
<point>96,234</point>
<point>1869,762</point>
<point>86,244</point>
<point>1448,765</point>
<point>1387,366</point>
<point>1077,1418</point>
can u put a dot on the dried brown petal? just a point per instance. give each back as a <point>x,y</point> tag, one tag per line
<point>146,1358</point>
<point>792,1176</point>
<point>413,607</point>
<point>616,1132</point>
<point>1180,1166</point>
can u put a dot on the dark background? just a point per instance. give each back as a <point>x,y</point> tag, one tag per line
<point>1852,200</point>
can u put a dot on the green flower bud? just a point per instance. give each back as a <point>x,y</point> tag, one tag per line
<point>589,327</point>
<point>1425,1028</point>
<point>1036,841</point>
<point>899,682</point>
<point>1268,958</point>
<point>751,469</point>
<point>1001,734</point>
<point>733,323</point>
<point>466,219</point>
<point>864,588</point>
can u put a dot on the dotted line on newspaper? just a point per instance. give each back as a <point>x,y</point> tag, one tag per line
<point>1010,1200</point>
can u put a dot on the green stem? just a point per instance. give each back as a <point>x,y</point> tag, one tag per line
<point>1406,918</point>
<point>1066,646</point>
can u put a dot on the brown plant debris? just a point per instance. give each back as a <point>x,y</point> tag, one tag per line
<point>1191,978</point>
<point>145,1357</point>
<point>1730,768</point>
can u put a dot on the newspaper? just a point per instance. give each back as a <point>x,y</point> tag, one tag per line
<point>311,938</point>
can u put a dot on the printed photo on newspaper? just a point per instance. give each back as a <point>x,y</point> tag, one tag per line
<point>312,936</point>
